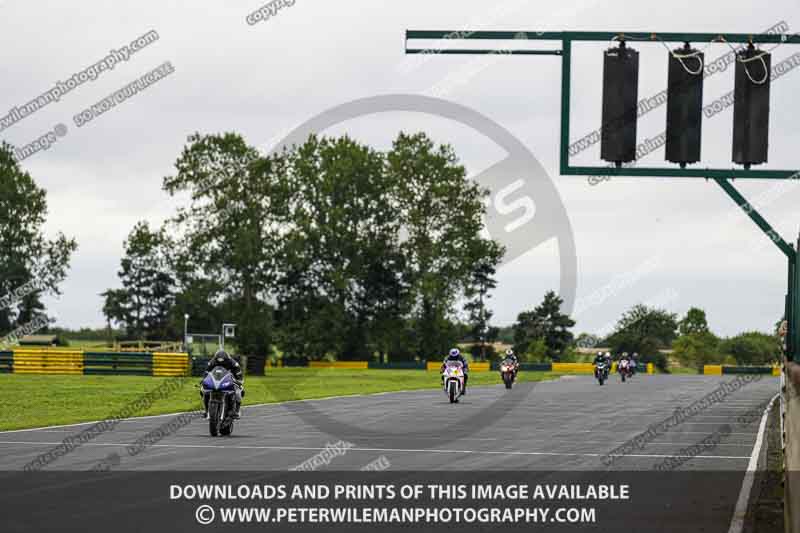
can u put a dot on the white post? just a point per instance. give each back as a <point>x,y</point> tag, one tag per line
<point>185,331</point>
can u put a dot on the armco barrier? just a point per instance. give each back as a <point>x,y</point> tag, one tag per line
<point>128,363</point>
<point>47,361</point>
<point>537,367</point>
<point>574,368</point>
<point>397,365</point>
<point>66,361</point>
<point>473,367</point>
<point>747,369</point>
<point>718,370</point>
<point>434,365</point>
<point>171,364</point>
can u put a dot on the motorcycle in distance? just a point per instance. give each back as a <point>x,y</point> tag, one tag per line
<point>453,380</point>
<point>625,369</point>
<point>601,372</point>
<point>507,372</point>
<point>219,390</point>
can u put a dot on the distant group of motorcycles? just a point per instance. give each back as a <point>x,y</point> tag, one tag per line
<point>455,370</point>
<point>626,366</point>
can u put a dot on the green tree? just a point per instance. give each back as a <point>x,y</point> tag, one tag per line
<point>480,283</point>
<point>752,348</point>
<point>360,252</point>
<point>340,249</point>
<point>535,352</point>
<point>144,303</point>
<point>697,349</point>
<point>694,322</point>
<point>645,331</point>
<point>696,346</point>
<point>230,230</point>
<point>441,212</point>
<point>545,322</point>
<point>26,256</point>
<point>198,298</point>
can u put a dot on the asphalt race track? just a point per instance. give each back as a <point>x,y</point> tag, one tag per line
<point>553,432</point>
<point>569,424</point>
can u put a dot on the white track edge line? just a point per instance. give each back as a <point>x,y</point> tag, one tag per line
<point>398,450</point>
<point>739,512</point>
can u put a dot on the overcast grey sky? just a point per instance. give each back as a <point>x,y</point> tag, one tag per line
<point>676,243</point>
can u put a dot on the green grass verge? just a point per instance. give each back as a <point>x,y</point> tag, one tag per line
<point>54,399</point>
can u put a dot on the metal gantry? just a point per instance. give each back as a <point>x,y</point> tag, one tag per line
<point>722,176</point>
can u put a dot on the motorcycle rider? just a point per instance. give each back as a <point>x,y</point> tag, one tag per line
<point>223,359</point>
<point>455,355</point>
<point>510,355</point>
<point>608,360</point>
<point>634,361</point>
<point>600,359</point>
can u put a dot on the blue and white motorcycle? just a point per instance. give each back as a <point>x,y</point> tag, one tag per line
<point>219,390</point>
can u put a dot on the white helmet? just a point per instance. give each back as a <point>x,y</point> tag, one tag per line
<point>455,352</point>
<point>509,352</point>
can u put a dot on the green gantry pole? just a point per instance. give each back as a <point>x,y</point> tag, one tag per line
<point>793,332</point>
<point>790,313</point>
<point>756,217</point>
<point>792,304</point>
<point>566,65</point>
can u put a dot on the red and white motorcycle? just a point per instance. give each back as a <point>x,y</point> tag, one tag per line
<point>625,369</point>
<point>508,371</point>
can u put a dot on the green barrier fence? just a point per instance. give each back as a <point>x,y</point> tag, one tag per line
<point>124,363</point>
<point>6,362</point>
<point>26,360</point>
<point>540,367</point>
<point>199,365</point>
<point>746,369</point>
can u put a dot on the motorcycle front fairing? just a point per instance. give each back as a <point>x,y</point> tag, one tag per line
<point>218,383</point>
<point>453,370</point>
<point>507,365</point>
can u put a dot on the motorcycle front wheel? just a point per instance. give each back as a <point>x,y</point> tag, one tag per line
<point>451,392</point>
<point>213,418</point>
